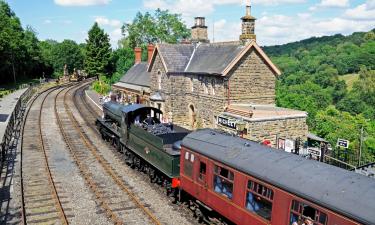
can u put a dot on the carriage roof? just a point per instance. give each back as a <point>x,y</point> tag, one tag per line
<point>346,192</point>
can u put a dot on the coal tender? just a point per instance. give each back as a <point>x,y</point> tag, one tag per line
<point>147,144</point>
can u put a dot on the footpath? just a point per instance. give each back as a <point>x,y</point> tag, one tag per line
<point>12,109</point>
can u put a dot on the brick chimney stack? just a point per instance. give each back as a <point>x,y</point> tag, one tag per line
<point>138,55</point>
<point>150,50</point>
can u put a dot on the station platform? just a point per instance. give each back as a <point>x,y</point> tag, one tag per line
<point>94,98</point>
<point>7,106</point>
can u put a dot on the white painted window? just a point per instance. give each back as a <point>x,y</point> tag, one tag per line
<point>186,155</point>
<point>192,158</point>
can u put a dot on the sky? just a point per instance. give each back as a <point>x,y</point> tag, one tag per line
<point>278,21</point>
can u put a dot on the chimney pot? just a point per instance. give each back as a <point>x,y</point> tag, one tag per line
<point>150,50</point>
<point>138,55</point>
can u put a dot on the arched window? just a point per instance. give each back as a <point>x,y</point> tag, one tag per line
<point>159,79</point>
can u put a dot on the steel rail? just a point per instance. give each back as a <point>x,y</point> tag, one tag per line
<point>106,166</point>
<point>86,174</point>
<point>54,193</point>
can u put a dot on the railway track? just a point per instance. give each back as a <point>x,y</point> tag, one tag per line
<point>164,208</point>
<point>114,197</point>
<point>41,202</point>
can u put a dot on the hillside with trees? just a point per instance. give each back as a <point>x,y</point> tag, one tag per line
<point>315,79</point>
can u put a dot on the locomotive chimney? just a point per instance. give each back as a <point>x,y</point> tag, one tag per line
<point>138,55</point>
<point>150,50</point>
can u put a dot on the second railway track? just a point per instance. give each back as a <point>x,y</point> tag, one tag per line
<point>114,198</point>
<point>40,199</point>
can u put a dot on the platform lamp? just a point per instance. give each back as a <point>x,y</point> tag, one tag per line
<point>240,126</point>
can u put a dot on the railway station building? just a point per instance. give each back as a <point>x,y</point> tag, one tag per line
<point>134,86</point>
<point>226,85</point>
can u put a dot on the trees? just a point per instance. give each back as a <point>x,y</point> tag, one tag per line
<point>11,43</point>
<point>160,27</point>
<point>98,52</point>
<point>310,82</point>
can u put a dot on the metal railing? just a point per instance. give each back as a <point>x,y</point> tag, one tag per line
<point>15,120</point>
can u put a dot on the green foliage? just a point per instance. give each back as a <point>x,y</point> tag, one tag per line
<point>123,60</point>
<point>98,52</point>
<point>57,55</point>
<point>333,124</point>
<point>101,86</point>
<point>312,81</point>
<point>160,27</point>
<point>19,52</point>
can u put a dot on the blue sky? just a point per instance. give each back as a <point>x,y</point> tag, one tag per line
<point>279,21</point>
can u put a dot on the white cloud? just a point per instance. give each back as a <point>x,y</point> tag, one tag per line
<point>277,2</point>
<point>364,11</point>
<point>103,21</point>
<point>280,29</point>
<point>112,27</point>
<point>330,4</point>
<point>334,3</point>
<point>81,2</point>
<point>205,7</point>
<point>47,21</point>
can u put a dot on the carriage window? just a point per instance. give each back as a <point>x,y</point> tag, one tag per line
<point>223,181</point>
<point>188,165</point>
<point>202,171</point>
<point>304,213</point>
<point>259,199</point>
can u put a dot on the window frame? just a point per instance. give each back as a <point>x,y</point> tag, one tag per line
<point>231,181</point>
<point>189,159</point>
<point>301,205</point>
<point>254,190</point>
<point>202,176</point>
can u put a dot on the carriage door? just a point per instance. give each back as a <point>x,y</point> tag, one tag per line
<point>202,177</point>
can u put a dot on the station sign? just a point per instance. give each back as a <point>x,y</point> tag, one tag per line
<point>227,122</point>
<point>343,143</point>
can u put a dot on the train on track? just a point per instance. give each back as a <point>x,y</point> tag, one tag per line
<point>230,180</point>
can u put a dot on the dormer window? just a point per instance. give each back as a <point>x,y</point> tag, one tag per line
<point>159,79</point>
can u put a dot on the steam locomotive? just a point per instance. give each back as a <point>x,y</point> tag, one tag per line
<point>226,179</point>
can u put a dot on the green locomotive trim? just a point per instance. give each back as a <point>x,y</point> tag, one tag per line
<point>152,143</point>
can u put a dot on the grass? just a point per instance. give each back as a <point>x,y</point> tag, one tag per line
<point>8,88</point>
<point>350,79</point>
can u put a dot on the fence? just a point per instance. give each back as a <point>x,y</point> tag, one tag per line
<point>14,120</point>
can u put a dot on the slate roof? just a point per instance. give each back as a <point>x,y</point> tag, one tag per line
<point>342,191</point>
<point>176,56</point>
<point>213,58</point>
<point>205,58</point>
<point>137,75</point>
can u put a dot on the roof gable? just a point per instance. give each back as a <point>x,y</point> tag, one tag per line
<point>215,58</point>
<point>262,54</point>
<point>175,57</point>
<point>137,75</point>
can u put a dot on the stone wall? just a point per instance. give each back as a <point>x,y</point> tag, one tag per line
<point>199,34</point>
<point>289,128</point>
<point>252,81</point>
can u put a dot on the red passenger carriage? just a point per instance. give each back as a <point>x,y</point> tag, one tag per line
<point>248,183</point>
